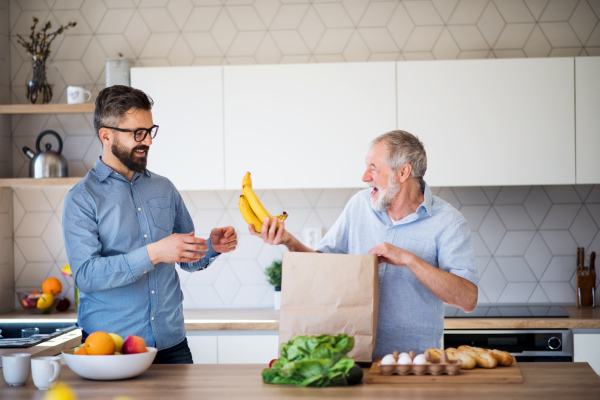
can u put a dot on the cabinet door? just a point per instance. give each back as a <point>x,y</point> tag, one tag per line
<point>248,349</point>
<point>586,348</point>
<point>305,126</point>
<point>203,348</point>
<point>491,122</point>
<point>587,112</point>
<point>188,107</point>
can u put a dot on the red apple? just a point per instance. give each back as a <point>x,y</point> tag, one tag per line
<point>133,345</point>
<point>63,304</point>
<point>29,302</point>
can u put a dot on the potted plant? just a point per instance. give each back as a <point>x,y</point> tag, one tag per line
<point>273,273</point>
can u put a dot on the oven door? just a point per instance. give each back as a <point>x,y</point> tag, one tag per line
<point>526,345</point>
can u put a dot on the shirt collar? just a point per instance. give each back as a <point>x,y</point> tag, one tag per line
<point>104,171</point>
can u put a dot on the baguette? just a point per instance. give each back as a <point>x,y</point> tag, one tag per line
<point>468,362</point>
<point>503,357</point>
<point>483,358</point>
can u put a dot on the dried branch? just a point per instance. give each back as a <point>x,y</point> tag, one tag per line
<point>39,45</point>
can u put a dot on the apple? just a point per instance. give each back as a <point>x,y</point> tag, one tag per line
<point>63,304</point>
<point>133,345</point>
<point>29,302</point>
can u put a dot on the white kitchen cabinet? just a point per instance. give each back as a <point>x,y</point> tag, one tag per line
<point>306,125</point>
<point>247,349</point>
<point>587,114</point>
<point>203,348</point>
<point>188,107</point>
<point>491,122</point>
<point>586,348</point>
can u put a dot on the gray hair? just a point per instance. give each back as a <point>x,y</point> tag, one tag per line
<point>404,148</point>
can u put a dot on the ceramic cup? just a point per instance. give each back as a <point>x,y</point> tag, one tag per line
<point>45,371</point>
<point>16,368</point>
<point>76,94</point>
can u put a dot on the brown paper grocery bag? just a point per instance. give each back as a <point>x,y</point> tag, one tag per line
<point>330,294</point>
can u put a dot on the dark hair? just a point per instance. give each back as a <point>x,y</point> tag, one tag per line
<point>113,103</point>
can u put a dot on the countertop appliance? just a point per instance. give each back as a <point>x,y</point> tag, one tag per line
<point>47,163</point>
<point>526,345</point>
<point>507,312</point>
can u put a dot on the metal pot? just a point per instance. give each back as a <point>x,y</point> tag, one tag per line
<point>49,163</point>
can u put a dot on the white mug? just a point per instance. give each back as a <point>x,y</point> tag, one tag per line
<point>76,94</point>
<point>16,368</point>
<point>45,371</point>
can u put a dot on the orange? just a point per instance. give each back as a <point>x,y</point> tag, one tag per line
<point>99,344</point>
<point>52,286</point>
<point>81,351</point>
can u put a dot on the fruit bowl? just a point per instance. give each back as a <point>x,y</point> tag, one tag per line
<point>29,303</point>
<point>109,368</point>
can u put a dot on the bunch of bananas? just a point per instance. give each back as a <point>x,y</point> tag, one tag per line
<point>252,210</point>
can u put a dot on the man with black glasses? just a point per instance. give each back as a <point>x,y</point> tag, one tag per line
<point>125,228</point>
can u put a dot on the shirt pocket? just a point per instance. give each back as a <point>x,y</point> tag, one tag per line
<point>160,208</point>
<point>426,251</point>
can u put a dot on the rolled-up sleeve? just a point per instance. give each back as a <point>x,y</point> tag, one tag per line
<point>455,252</point>
<point>91,271</point>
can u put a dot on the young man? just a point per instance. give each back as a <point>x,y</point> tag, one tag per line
<point>125,228</point>
<point>423,244</point>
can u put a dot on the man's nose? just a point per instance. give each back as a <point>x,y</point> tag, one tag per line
<point>366,176</point>
<point>147,140</point>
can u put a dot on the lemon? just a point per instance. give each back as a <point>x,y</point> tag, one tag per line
<point>61,391</point>
<point>118,342</point>
<point>45,301</point>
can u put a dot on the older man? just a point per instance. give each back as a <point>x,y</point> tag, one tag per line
<point>423,244</point>
<point>126,227</point>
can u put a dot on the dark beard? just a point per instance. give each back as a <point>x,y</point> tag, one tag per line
<point>132,162</point>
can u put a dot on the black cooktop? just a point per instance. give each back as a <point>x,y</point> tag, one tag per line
<point>507,312</point>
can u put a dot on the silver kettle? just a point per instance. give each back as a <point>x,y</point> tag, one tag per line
<point>49,163</point>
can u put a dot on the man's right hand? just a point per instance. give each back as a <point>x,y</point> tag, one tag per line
<point>177,248</point>
<point>272,234</point>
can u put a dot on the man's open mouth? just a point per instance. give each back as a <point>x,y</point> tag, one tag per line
<point>375,190</point>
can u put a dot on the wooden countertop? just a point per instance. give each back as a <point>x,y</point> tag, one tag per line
<point>541,380</point>
<point>268,319</point>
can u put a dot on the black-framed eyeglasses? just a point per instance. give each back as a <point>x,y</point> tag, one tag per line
<point>140,134</point>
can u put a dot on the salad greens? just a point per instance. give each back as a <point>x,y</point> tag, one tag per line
<point>312,361</point>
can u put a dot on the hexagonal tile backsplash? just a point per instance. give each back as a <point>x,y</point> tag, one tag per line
<point>519,261</point>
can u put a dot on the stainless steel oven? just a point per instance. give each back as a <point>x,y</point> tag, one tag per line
<point>534,345</point>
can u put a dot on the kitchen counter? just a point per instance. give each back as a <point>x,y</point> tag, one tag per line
<point>541,380</point>
<point>268,319</point>
<point>49,347</point>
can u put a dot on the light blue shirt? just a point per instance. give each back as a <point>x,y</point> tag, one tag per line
<point>107,223</point>
<point>410,316</point>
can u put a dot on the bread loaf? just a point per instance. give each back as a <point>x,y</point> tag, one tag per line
<point>483,358</point>
<point>468,362</point>
<point>503,357</point>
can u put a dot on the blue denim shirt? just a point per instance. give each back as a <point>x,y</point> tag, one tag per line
<point>410,316</point>
<point>107,223</point>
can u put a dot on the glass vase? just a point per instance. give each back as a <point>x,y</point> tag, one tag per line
<point>38,88</point>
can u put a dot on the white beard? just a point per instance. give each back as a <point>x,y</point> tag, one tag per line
<point>385,198</point>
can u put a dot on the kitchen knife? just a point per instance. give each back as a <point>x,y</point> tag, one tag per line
<point>593,262</point>
<point>578,260</point>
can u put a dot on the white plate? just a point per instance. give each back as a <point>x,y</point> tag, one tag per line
<point>108,368</point>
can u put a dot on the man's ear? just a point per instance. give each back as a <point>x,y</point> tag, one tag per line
<point>105,136</point>
<point>404,172</point>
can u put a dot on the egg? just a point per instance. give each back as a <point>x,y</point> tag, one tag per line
<point>403,360</point>
<point>403,354</point>
<point>420,359</point>
<point>389,359</point>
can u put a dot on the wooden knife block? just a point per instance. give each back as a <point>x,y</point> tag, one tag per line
<point>585,293</point>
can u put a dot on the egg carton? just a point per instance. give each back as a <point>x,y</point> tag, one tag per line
<point>432,367</point>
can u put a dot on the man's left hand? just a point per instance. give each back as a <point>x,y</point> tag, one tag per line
<point>390,254</point>
<point>223,240</point>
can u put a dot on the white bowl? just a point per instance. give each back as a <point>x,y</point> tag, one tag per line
<point>109,368</point>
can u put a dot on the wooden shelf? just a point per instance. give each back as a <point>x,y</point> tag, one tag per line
<point>46,108</point>
<point>31,182</point>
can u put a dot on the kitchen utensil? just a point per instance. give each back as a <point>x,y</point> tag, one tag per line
<point>49,163</point>
<point>16,368</point>
<point>76,95</point>
<point>45,371</point>
<point>109,368</point>
<point>585,283</point>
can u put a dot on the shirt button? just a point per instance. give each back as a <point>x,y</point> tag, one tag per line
<point>152,292</point>
<point>152,318</point>
<point>145,236</point>
<point>139,209</point>
<point>144,271</point>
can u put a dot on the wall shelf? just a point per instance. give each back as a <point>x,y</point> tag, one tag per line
<point>32,182</point>
<point>46,108</point>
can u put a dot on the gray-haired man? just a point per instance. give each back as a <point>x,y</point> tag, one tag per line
<point>423,243</point>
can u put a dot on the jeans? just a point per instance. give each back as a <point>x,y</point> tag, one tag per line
<point>178,354</point>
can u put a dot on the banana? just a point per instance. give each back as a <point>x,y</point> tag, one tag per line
<point>248,214</point>
<point>259,210</point>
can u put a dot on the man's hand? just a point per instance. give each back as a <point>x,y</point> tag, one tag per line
<point>272,234</point>
<point>177,248</point>
<point>223,240</point>
<point>390,254</point>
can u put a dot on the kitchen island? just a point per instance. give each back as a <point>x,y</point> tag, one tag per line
<point>541,380</point>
